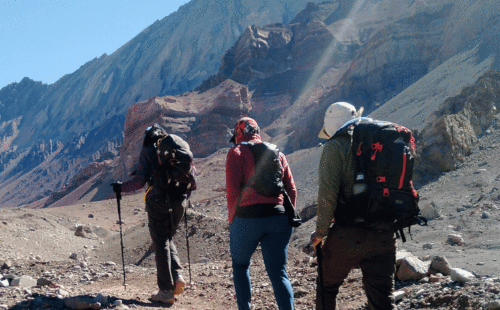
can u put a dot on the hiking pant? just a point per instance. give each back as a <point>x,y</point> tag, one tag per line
<point>162,227</point>
<point>273,233</point>
<point>348,247</point>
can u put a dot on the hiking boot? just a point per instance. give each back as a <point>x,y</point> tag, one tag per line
<point>166,297</point>
<point>179,285</point>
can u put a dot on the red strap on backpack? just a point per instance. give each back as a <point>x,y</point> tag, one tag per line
<point>377,147</point>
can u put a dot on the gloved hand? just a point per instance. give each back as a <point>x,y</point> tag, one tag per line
<point>117,187</point>
<point>316,241</point>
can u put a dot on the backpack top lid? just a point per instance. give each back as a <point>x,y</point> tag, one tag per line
<point>152,134</point>
<point>173,144</point>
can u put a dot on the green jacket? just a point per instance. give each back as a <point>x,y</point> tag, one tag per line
<point>336,170</point>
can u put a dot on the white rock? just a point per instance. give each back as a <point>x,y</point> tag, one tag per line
<point>401,255</point>
<point>411,268</point>
<point>23,281</point>
<point>4,283</point>
<point>398,295</point>
<point>462,276</point>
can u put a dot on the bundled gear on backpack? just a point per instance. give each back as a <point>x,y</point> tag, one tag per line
<point>175,159</point>
<point>383,196</point>
<point>267,179</point>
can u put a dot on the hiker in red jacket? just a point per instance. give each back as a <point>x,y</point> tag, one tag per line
<point>255,219</point>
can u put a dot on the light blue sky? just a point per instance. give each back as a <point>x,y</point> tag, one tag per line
<point>46,39</point>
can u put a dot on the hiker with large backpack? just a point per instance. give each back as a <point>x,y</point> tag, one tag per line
<point>258,184</point>
<point>165,164</point>
<point>365,199</point>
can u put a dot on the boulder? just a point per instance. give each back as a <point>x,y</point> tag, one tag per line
<point>461,275</point>
<point>440,264</point>
<point>411,268</point>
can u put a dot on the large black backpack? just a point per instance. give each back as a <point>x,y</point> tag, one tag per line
<point>267,179</point>
<point>175,159</point>
<point>383,194</point>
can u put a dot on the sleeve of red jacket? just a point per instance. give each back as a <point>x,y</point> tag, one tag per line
<point>234,176</point>
<point>288,180</point>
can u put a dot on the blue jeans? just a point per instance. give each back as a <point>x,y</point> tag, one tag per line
<point>273,233</point>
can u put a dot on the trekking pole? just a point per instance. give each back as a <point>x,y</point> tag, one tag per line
<point>118,198</point>
<point>187,241</point>
<point>319,255</point>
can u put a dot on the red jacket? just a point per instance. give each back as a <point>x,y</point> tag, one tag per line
<point>239,167</point>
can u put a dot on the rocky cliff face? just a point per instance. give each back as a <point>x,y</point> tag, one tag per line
<point>455,128</point>
<point>395,58</point>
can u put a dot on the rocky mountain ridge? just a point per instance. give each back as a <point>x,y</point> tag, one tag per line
<point>265,71</point>
<point>171,56</point>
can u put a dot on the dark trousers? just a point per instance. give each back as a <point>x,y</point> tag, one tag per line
<point>164,218</point>
<point>348,247</point>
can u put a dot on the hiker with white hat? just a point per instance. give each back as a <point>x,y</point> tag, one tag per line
<point>343,245</point>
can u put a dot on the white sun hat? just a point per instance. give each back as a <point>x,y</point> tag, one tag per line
<point>336,115</point>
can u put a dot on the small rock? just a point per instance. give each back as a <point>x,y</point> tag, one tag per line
<point>7,264</point>
<point>299,292</point>
<point>398,295</point>
<point>80,303</point>
<point>494,305</point>
<point>202,260</point>
<point>24,281</point>
<point>427,246</point>
<point>43,282</point>
<point>485,215</point>
<point>462,276</point>
<point>455,239</point>
<point>73,256</point>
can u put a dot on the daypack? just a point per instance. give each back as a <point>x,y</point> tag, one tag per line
<point>267,178</point>
<point>175,159</point>
<point>383,194</point>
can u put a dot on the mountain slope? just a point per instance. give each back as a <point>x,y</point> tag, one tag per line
<point>169,57</point>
